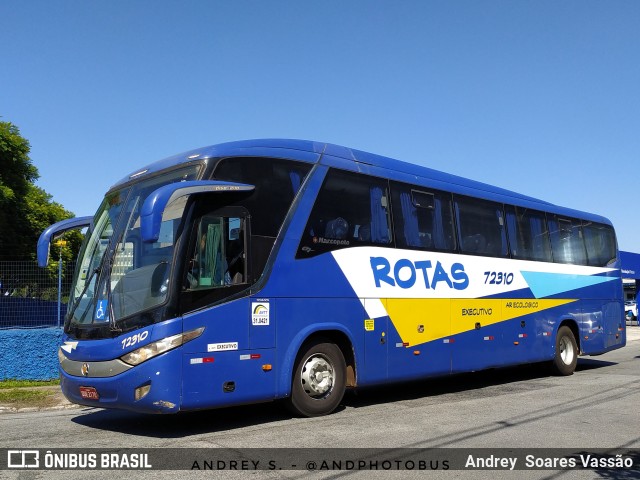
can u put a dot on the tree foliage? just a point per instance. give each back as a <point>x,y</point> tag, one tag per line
<point>16,170</point>
<point>25,209</point>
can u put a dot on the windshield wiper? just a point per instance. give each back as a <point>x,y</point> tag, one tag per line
<point>113,327</point>
<point>73,308</point>
<point>113,324</point>
<point>93,273</point>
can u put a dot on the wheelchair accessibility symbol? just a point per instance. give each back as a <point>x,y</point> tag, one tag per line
<point>101,310</point>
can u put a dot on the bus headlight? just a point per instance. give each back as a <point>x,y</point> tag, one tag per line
<point>143,354</point>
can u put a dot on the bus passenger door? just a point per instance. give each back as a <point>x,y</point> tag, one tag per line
<point>376,340</point>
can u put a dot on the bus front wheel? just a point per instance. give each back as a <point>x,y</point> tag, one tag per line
<point>566,356</point>
<point>318,380</point>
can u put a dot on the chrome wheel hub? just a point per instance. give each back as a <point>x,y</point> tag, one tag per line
<point>317,376</point>
<point>566,351</point>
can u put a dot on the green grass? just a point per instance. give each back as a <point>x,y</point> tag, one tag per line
<point>5,384</point>
<point>28,393</point>
<point>23,395</point>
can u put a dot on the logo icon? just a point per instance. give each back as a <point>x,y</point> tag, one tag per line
<point>23,458</point>
<point>84,369</point>
<point>260,313</point>
<point>101,310</point>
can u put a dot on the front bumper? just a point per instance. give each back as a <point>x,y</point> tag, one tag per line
<point>116,385</point>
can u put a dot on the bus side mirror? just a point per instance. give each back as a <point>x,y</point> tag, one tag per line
<point>155,204</point>
<point>55,229</point>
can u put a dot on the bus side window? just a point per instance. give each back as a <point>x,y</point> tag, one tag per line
<point>235,252</point>
<point>528,234</point>
<point>218,256</point>
<point>422,219</point>
<point>351,210</point>
<point>481,227</point>
<point>567,243</point>
<point>600,241</point>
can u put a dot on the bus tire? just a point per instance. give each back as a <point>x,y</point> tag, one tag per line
<point>566,355</point>
<point>318,380</point>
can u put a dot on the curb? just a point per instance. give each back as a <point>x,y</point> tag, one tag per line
<point>67,406</point>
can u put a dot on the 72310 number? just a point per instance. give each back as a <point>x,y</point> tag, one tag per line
<point>498,278</point>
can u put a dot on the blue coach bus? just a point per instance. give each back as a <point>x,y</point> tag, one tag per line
<point>283,269</point>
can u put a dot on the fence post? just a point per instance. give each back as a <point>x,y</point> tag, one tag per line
<point>60,244</point>
<point>59,287</point>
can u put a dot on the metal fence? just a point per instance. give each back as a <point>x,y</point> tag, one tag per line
<point>31,296</point>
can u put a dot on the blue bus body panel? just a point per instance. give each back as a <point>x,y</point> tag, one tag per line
<point>110,348</point>
<point>227,378</point>
<point>163,373</point>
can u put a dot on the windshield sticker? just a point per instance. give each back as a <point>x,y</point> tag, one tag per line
<point>101,310</point>
<point>260,313</point>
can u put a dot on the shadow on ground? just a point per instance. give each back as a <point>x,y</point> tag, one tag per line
<point>464,386</point>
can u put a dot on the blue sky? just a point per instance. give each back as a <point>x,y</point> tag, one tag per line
<point>539,97</point>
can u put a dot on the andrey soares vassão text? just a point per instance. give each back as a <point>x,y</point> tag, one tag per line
<point>533,462</point>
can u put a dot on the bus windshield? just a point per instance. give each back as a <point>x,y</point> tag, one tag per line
<point>118,275</point>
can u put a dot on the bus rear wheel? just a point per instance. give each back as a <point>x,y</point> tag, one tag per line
<point>566,356</point>
<point>318,380</point>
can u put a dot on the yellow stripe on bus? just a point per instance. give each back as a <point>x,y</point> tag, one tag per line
<point>420,320</point>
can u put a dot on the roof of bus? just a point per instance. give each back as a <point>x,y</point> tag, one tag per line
<point>312,152</point>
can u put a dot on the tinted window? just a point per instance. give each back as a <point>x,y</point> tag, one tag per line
<point>423,219</point>
<point>481,227</point>
<point>276,182</point>
<point>600,241</point>
<point>350,210</point>
<point>567,243</point>
<point>218,254</point>
<point>528,234</point>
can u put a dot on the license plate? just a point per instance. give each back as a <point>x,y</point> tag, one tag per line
<point>89,393</point>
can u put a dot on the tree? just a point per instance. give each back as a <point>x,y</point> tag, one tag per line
<point>25,209</point>
<point>16,170</point>
<point>41,211</point>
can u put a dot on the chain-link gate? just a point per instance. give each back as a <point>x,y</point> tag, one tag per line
<point>31,296</point>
